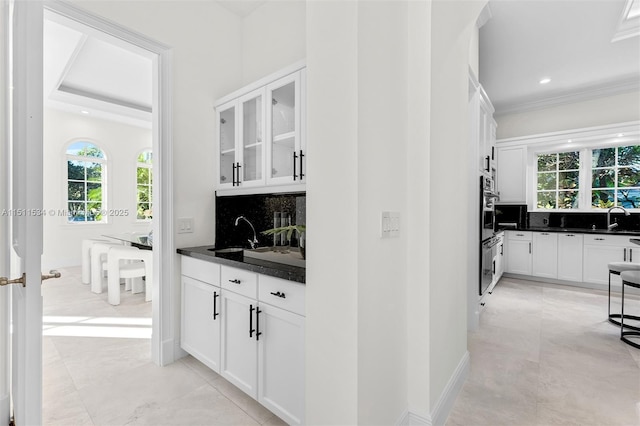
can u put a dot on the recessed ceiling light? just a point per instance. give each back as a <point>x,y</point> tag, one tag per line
<point>570,140</point>
<point>545,80</point>
<point>84,111</point>
<point>620,135</point>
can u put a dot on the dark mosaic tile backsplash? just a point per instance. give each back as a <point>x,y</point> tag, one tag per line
<point>260,211</point>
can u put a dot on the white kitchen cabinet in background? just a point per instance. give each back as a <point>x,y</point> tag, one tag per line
<point>519,252</point>
<point>599,251</point>
<point>545,254</point>
<point>511,174</point>
<point>570,256</point>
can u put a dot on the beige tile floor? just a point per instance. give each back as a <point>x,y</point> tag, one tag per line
<point>545,355</point>
<point>97,368</point>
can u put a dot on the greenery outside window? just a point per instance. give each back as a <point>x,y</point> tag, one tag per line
<point>615,177</point>
<point>85,183</point>
<point>144,173</point>
<point>558,180</point>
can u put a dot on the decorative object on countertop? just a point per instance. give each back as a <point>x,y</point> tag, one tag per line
<point>287,231</point>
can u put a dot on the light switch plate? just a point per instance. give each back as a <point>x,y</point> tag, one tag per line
<point>185,225</point>
<point>390,224</point>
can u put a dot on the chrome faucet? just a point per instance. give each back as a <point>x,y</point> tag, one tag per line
<point>610,225</point>
<point>255,239</point>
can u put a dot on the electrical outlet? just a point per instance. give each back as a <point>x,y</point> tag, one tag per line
<point>185,225</point>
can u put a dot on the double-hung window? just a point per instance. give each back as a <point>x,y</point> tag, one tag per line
<point>615,177</point>
<point>144,186</point>
<point>86,164</point>
<point>558,180</point>
<point>590,178</point>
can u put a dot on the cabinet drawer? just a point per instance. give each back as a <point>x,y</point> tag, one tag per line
<point>239,281</point>
<point>281,293</point>
<point>519,235</point>
<point>201,270</point>
<point>608,240</point>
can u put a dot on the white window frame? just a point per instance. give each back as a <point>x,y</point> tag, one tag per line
<point>103,181</point>
<point>557,172</point>
<point>583,140</point>
<point>150,185</point>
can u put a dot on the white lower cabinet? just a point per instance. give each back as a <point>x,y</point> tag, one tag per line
<point>519,259</point>
<point>570,257</point>
<point>239,361</point>
<point>545,255</point>
<point>200,326</point>
<point>281,363</point>
<point>250,329</point>
<point>598,252</point>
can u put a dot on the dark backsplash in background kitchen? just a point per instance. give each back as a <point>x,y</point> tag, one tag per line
<point>518,214</point>
<point>259,210</point>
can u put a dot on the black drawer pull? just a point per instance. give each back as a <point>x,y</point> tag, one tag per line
<point>235,281</point>
<point>519,235</point>
<point>215,310</point>
<point>599,239</point>
<point>278,294</point>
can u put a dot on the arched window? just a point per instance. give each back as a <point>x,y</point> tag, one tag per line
<point>86,190</point>
<point>144,178</point>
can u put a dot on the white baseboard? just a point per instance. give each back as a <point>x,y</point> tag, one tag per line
<point>412,419</point>
<point>448,397</point>
<point>441,410</point>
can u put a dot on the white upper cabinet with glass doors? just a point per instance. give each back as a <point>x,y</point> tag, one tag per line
<point>260,136</point>
<point>241,129</point>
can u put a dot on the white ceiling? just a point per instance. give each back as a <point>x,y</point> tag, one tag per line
<point>569,42</point>
<point>94,73</point>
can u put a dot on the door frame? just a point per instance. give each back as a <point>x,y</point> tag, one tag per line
<point>163,299</point>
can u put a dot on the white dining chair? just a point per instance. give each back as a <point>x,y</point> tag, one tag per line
<point>98,254</point>
<point>128,262</point>
<point>86,258</point>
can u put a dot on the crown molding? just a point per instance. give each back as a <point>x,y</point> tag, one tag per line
<point>584,94</point>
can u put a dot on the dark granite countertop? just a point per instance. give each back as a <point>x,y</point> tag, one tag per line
<point>238,260</point>
<point>576,230</point>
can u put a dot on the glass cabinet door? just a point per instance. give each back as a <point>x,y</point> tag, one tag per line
<point>227,138</point>
<point>284,115</point>
<point>252,129</point>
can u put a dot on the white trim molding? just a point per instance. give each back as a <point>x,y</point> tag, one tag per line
<point>442,409</point>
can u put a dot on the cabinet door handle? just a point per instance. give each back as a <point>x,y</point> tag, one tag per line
<point>258,332</point>
<point>529,248</point>
<point>625,255</point>
<point>570,235</point>
<point>278,294</point>
<point>630,255</point>
<point>301,156</point>
<point>233,175</point>
<point>487,159</point>
<point>599,239</point>
<point>493,267</point>
<point>519,235</point>
<point>493,152</point>
<point>502,250</point>
<point>238,172</point>
<point>544,233</point>
<point>235,281</point>
<point>251,330</point>
<point>295,157</point>
<point>215,309</point>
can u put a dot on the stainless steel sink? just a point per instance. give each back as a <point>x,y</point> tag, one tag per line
<point>227,250</point>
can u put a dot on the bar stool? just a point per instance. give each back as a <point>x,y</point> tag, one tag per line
<point>617,268</point>
<point>631,279</point>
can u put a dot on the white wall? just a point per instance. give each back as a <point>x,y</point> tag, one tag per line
<point>273,36</point>
<point>207,63</point>
<point>601,111</point>
<point>382,145</point>
<point>453,24</point>
<point>121,144</point>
